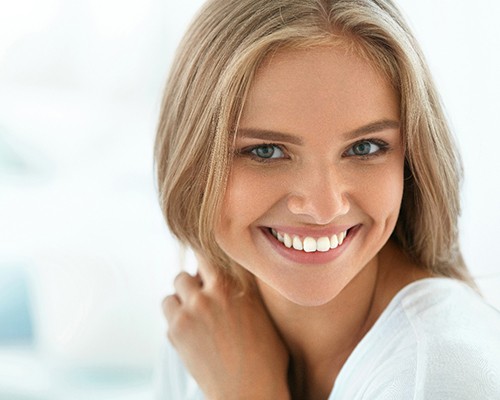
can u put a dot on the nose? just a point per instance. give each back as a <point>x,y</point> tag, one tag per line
<point>319,194</point>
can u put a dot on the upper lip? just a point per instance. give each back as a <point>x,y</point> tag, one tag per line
<point>311,232</point>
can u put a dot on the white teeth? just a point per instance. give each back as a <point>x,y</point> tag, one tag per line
<point>334,242</point>
<point>323,244</point>
<point>297,243</point>
<point>310,244</point>
<point>341,238</point>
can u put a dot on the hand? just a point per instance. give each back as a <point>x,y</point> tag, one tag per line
<point>226,339</point>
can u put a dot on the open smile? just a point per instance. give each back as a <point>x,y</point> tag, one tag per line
<point>309,249</point>
<point>310,244</point>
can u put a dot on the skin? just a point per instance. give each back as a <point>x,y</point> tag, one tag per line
<point>312,315</point>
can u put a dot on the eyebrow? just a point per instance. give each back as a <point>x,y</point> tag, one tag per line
<point>373,127</point>
<point>275,136</point>
<point>269,135</point>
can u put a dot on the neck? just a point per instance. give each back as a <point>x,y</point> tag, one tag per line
<point>321,338</point>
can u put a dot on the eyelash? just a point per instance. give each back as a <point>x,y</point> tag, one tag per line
<point>382,145</point>
<point>248,151</point>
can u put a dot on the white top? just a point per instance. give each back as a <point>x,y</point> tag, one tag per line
<point>436,340</point>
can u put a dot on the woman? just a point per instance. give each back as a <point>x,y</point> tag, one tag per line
<point>303,154</point>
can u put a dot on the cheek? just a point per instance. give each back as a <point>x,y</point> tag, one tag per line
<point>249,195</point>
<point>381,192</point>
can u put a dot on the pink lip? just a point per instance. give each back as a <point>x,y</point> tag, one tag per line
<point>315,233</point>
<point>301,257</point>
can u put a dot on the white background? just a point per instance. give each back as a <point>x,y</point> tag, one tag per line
<point>80,87</point>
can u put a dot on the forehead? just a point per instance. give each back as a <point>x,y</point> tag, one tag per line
<point>327,87</point>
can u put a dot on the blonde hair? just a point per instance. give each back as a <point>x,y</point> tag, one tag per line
<point>206,91</point>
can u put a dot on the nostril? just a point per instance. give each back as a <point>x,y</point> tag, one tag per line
<point>295,204</point>
<point>322,207</point>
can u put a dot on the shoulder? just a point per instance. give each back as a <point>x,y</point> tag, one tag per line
<point>446,312</point>
<point>437,339</point>
<point>457,340</point>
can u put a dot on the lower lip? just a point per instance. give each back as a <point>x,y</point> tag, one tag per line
<point>316,257</point>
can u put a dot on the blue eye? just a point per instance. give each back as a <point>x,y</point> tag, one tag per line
<point>267,151</point>
<point>366,148</point>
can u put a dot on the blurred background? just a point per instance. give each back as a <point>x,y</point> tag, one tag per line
<point>85,257</point>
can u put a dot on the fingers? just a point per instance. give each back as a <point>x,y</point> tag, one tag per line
<point>170,305</point>
<point>191,296</point>
<point>186,285</point>
<point>206,271</point>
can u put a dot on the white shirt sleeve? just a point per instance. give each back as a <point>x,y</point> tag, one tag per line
<point>461,376</point>
<point>437,340</point>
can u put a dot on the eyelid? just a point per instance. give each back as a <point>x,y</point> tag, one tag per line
<point>382,144</point>
<point>247,151</point>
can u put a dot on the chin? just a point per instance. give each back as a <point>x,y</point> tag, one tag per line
<point>311,301</point>
<point>311,294</point>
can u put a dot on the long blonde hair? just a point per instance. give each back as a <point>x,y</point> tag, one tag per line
<point>206,91</point>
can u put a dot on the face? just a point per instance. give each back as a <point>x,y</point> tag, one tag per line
<point>316,183</point>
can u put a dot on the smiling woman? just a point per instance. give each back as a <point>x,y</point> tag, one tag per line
<point>303,154</point>
<point>326,187</point>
